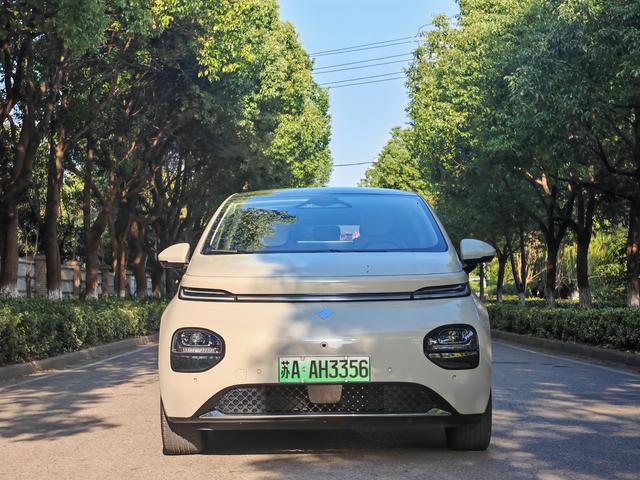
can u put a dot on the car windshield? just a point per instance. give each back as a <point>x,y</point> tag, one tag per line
<point>355,222</point>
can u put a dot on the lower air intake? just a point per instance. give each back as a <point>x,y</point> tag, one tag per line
<point>370,398</point>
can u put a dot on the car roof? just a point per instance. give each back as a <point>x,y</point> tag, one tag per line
<point>327,191</point>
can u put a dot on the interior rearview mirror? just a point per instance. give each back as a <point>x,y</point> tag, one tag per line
<point>175,256</point>
<point>474,252</point>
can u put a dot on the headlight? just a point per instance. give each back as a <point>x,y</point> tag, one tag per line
<point>442,291</point>
<point>453,347</point>
<point>195,350</point>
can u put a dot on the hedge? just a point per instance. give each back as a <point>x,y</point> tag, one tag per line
<point>541,302</point>
<point>611,327</point>
<point>32,329</point>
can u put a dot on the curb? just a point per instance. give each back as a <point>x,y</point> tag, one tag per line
<point>588,351</point>
<point>62,361</point>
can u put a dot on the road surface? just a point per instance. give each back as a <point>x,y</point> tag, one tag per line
<point>553,418</point>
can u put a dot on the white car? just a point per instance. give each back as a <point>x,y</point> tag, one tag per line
<point>325,307</point>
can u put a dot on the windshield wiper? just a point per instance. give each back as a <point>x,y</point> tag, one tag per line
<point>227,252</point>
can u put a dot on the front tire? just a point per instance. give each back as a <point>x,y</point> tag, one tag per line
<point>179,439</point>
<point>472,436</point>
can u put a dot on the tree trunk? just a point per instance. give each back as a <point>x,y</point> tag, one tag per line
<point>92,243</point>
<point>171,282</point>
<point>9,261</point>
<point>92,233</point>
<point>553,238</point>
<point>54,185</point>
<point>582,273</point>
<point>21,178</point>
<point>482,281</point>
<point>157,284</point>
<point>554,226</point>
<point>551,271</point>
<point>119,250</point>
<point>633,239</point>
<point>633,256</point>
<point>520,274</point>
<point>25,151</point>
<point>584,232</point>
<point>502,263</point>
<point>516,278</point>
<point>139,258</point>
<point>119,233</point>
<point>3,233</point>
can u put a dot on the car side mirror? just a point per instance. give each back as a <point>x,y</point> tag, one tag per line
<point>175,256</point>
<point>474,252</point>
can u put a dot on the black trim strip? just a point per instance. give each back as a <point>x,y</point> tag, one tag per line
<point>210,404</point>
<point>444,291</point>
<point>427,293</point>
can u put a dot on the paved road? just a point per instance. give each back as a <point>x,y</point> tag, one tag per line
<point>553,418</point>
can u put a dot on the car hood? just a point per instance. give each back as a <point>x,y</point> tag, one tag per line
<point>323,273</point>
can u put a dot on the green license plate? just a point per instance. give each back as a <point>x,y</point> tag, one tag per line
<point>323,369</point>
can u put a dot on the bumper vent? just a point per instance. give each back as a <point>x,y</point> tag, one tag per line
<point>371,398</point>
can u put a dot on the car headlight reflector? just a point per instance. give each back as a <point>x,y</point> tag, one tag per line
<point>195,350</point>
<point>453,347</point>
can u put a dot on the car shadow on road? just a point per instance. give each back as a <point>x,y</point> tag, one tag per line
<point>262,442</point>
<point>70,402</point>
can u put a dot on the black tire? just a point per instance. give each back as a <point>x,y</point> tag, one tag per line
<point>473,435</point>
<point>178,439</point>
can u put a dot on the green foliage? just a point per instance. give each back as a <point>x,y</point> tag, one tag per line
<point>452,87</point>
<point>231,30</point>
<point>519,111</point>
<point>181,102</point>
<point>293,112</point>
<point>607,267</point>
<point>512,299</point>
<point>606,272</point>
<point>247,229</point>
<point>32,329</point>
<point>607,327</point>
<point>396,167</point>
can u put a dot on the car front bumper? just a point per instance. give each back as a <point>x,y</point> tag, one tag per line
<point>390,332</point>
<point>340,421</point>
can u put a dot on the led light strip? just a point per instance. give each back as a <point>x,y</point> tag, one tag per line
<point>428,293</point>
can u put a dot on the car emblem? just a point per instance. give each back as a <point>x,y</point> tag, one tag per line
<point>324,313</point>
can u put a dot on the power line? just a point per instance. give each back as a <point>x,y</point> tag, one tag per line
<point>361,78</point>
<point>363,61</point>
<point>372,45</point>
<point>362,66</point>
<point>364,83</point>
<point>350,164</point>
<point>338,50</point>
<point>364,48</point>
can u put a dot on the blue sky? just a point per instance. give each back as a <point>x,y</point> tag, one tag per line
<point>362,116</point>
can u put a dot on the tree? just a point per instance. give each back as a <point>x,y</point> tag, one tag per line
<point>42,43</point>
<point>396,167</point>
<point>158,110</point>
<point>582,75</point>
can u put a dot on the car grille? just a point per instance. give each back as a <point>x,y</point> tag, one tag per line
<point>370,398</point>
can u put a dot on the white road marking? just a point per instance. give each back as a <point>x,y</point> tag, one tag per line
<point>43,375</point>
<point>567,359</point>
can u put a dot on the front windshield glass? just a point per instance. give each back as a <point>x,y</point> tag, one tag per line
<point>356,222</point>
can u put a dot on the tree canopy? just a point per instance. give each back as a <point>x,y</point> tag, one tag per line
<point>525,121</point>
<point>138,118</point>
